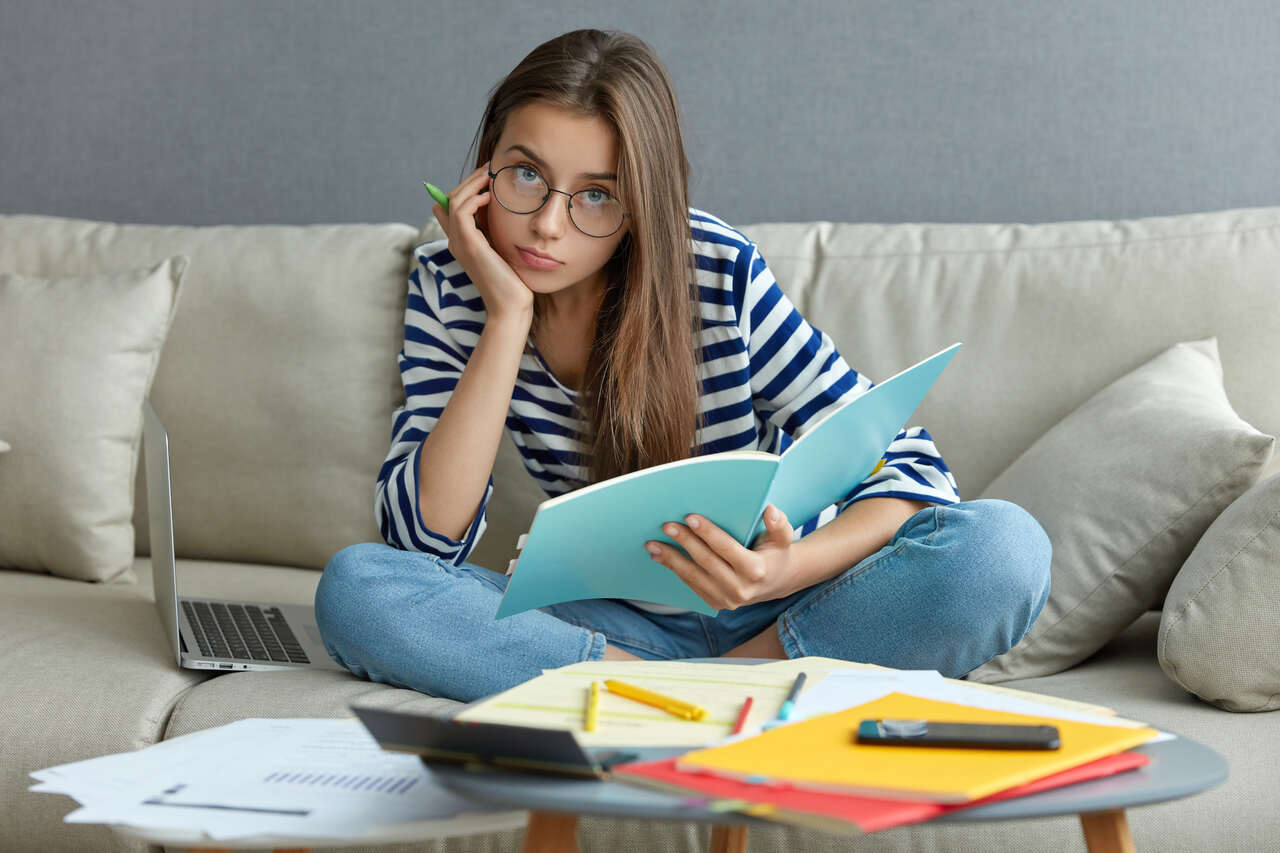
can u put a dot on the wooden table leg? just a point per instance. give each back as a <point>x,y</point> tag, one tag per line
<point>728,839</point>
<point>551,832</point>
<point>1107,832</point>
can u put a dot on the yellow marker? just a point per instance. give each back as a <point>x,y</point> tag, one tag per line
<point>672,706</point>
<point>593,706</point>
<point>879,465</point>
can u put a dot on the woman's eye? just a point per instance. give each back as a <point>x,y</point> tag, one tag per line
<point>595,196</point>
<point>527,174</point>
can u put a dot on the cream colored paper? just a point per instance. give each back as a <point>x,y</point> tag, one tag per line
<point>558,699</point>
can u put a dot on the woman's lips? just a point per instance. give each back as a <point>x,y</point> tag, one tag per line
<point>538,262</point>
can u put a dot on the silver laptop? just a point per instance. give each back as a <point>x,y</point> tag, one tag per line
<point>214,633</point>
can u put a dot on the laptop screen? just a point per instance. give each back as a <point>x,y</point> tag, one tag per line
<point>155,444</point>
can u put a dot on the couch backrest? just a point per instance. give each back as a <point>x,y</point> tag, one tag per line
<point>279,376</point>
<point>1048,314</point>
<point>277,379</point>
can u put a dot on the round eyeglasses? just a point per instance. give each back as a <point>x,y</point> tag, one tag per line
<point>521,189</point>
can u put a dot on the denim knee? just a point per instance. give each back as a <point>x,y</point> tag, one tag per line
<point>1008,562</point>
<point>343,574</point>
<point>340,587</point>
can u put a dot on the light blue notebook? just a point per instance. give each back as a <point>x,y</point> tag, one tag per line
<point>590,543</point>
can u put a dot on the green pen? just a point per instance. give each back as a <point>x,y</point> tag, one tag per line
<point>437,195</point>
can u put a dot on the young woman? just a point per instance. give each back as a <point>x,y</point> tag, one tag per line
<point>581,305</point>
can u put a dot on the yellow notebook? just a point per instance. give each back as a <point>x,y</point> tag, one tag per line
<point>820,754</point>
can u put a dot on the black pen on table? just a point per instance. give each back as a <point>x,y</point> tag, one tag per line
<point>784,713</point>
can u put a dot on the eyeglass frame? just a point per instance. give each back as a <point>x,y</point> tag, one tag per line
<point>568,205</point>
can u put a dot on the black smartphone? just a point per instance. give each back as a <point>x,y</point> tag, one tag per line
<point>963,735</point>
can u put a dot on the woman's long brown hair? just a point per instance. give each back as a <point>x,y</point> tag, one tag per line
<point>640,393</point>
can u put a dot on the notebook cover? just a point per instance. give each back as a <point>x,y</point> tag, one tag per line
<point>865,814</point>
<point>438,740</point>
<point>589,543</point>
<point>820,753</point>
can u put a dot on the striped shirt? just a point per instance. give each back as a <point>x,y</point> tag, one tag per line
<point>766,374</point>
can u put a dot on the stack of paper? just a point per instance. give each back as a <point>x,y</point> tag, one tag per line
<point>557,699</point>
<point>821,754</point>
<point>841,812</point>
<point>809,770</point>
<point>299,778</point>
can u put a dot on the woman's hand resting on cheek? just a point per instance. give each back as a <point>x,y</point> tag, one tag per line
<point>501,289</point>
<point>723,573</point>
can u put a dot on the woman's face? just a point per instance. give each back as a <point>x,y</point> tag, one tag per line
<point>571,153</point>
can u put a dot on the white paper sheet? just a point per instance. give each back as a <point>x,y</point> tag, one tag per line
<point>844,689</point>
<point>292,777</point>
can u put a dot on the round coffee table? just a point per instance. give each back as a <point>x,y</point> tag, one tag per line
<point>1178,768</point>
<point>466,824</point>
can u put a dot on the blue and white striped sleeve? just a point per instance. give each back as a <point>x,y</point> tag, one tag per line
<point>431,363</point>
<point>797,378</point>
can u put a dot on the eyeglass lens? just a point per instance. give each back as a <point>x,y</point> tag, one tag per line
<point>521,189</point>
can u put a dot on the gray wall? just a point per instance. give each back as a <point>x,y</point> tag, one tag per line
<point>181,111</point>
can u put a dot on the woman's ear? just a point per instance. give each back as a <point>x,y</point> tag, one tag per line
<point>482,221</point>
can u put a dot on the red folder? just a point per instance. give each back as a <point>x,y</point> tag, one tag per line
<point>868,814</point>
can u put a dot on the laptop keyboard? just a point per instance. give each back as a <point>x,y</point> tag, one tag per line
<point>243,632</point>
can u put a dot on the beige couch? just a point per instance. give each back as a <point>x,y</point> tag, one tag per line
<point>278,378</point>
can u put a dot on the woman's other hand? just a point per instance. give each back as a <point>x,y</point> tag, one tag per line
<point>722,572</point>
<point>502,290</point>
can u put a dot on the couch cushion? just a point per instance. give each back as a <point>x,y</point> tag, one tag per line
<point>1220,627</point>
<point>278,379</point>
<point>77,357</point>
<point>1049,314</point>
<point>86,671</point>
<point>1125,485</point>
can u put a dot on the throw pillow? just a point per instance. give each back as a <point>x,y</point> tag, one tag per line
<point>1220,629</point>
<point>1125,486</point>
<point>279,380</point>
<point>77,356</point>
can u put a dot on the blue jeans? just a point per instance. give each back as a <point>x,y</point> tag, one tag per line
<point>954,587</point>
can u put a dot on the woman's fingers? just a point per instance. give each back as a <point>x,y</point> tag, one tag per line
<point>500,287</point>
<point>467,222</point>
<point>469,179</point>
<point>464,199</point>
<point>714,568</point>
<point>692,574</point>
<point>479,176</point>
<point>699,551</point>
<point>471,203</point>
<point>721,543</point>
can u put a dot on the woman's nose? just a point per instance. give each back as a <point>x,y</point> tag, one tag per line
<point>551,219</point>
